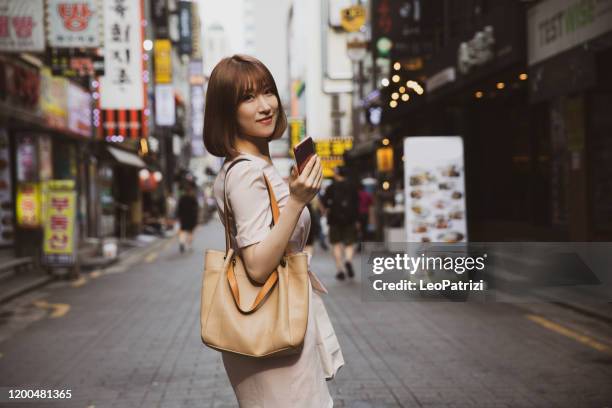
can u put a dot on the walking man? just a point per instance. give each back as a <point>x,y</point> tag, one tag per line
<point>341,203</point>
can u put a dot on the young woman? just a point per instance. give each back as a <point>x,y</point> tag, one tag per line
<point>243,114</point>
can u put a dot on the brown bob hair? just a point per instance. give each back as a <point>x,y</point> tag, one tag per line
<point>230,81</point>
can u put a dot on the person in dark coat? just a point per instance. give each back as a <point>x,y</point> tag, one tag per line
<point>187,214</point>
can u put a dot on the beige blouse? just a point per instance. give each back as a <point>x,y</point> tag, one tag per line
<point>288,381</point>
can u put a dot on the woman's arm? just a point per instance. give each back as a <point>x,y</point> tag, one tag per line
<point>263,257</point>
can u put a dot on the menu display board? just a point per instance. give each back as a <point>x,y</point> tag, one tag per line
<point>434,175</point>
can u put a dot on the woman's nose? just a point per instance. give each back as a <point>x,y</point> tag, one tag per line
<point>262,104</point>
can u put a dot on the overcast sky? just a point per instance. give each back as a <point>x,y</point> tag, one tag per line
<point>229,14</point>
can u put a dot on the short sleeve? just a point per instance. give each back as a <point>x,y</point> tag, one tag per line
<point>249,202</point>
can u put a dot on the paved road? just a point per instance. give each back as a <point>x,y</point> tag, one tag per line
<point>129,337</point>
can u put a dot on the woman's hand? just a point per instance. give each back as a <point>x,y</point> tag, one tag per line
<point>303,187</point>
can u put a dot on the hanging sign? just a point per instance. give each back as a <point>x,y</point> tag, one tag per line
<point>165,112</point>
<point>353,18</point>
<point>162,49</point>
<point>73,23</point>
<point>28,205</point>
<point>22,25</point>
<point>122,85</point>
<point>79,110</point>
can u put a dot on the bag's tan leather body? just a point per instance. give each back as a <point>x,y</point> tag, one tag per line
<point>241,316</point>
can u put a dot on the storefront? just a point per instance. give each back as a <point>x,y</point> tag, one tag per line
<point>475,86</point>
<point>570,86</point>
<point>45,127</point>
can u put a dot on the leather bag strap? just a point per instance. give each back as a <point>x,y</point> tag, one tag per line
<point>231,276</point>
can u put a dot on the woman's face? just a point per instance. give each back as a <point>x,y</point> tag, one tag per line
<point>257,113</point>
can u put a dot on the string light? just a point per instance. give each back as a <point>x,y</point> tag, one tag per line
<point>478,94</point>
<point>395,96</point>
<point>397,66</point>
<point>385,82</point>
<point>385,142</point>
<point>402,89</point>
<point>523,76</point>
<point>405,97</point>
<point>393,104</point>
<point>395,78</point>
<point>500,85</point>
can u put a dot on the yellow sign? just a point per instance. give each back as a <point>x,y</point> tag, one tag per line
<point>60,222</point>
<point>296,132</point>
<point>353,18</point>
<point>384,159</point>
<point>331,152</point>
<point>162,50</point>
<point>28,205</point>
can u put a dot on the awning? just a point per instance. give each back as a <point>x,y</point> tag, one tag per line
<point>127,158</point>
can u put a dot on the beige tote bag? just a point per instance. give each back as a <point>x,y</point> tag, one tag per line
<point>275,321</point>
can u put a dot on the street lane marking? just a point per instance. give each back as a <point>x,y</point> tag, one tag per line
<point>57,309</point>
<point>79,282</point>
<point>564,331</point>
<point>151,257</point>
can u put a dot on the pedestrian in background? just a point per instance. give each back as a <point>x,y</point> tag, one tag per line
<point>187,213</point>
<point>341,202</point>
<point>243,114</point>
<point>365,202</point>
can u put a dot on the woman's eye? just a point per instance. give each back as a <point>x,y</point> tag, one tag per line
<point>269,91</point>
<point>248,97</point>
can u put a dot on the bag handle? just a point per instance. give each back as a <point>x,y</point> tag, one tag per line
<point>231,276</point>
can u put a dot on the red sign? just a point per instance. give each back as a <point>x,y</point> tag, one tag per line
<point>75,15</point>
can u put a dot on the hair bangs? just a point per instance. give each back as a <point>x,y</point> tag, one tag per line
<point>253,79</point>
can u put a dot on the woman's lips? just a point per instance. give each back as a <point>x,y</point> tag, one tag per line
<point>266,121</point>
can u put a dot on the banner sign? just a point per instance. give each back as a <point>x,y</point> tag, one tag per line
<point>165,108</point>
<point>79,110</point>
<point>73,63</point>
<point>22,25</point>
<point>197,120</point>
<point>331,151</point>
<point>122,85</point>
<point>59,235</point>
<point>27,158</point>
<point>162,50</point>
<point>54,99</point>
<point>73,23</point>
<point>556,26</point>
<point>19,85</point>
<point>28,205</point>
<point>185,26</point>
<point>159,15</point>
<point>122,123</point>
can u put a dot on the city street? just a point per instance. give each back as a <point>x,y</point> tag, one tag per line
<point>129,337</point>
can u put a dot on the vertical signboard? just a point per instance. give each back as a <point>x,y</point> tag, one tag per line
<point>162,50</point>
<point>54,99</point>
<point>164,105</point>
<point>185,26</point>
<point>73,23</point>
<point>59,234</point>
<point>159,15</point>
<point>79,110</point>
<point>6,199</point>
<point>197,120</point>
<point>434,181</point>
<point>122,85</point>
<point>28,205</point>
<point>22,25</point>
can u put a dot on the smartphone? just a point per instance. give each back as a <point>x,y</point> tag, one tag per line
<point>303,151</point>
